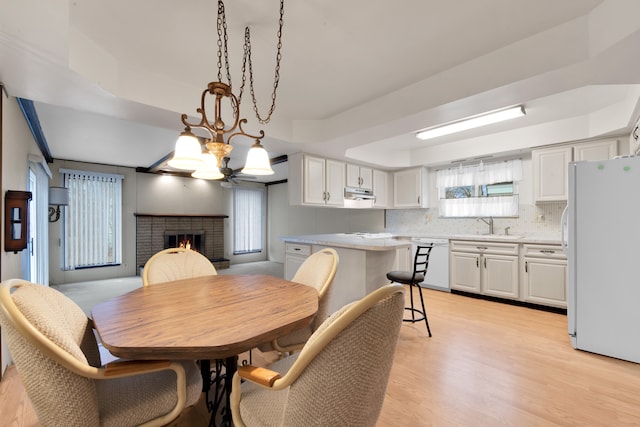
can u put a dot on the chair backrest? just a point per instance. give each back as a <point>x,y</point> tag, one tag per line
<point>421,259</point>
<point>45,330</point>
<point>176,264</point>
<point>318,270</point>
<point>346,363</point>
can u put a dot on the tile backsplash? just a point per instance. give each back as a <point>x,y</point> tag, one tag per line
<point>540,219</point>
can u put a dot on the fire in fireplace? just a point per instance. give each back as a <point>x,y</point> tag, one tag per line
<point>192,238</point>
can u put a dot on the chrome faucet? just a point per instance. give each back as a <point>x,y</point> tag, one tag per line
<point>488,221</point>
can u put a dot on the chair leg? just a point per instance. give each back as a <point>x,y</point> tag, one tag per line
<point>424,310</point>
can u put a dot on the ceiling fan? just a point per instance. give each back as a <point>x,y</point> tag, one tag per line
<point>231,176</point>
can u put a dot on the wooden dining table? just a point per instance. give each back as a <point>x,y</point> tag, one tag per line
<point>203,318</point>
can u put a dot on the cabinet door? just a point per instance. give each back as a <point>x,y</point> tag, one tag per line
<point>599,150</point>
<point>380,185</point>
<point>335,180</point>
<point>353,175</point>
<point>465,271</point>
<point>550,173</point>
<point>500,276</point>
<point>366,177</point>
<point>545,281</point>
<point>291,265</point>
<point>407,188</point>
<point>314,178</point>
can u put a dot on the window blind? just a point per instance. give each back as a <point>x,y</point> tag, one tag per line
<point>93,219</point>
<point>248,220</point>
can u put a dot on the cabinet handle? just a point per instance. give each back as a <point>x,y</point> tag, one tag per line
<point>297,249</point>
<point>485,262</point>
<point>547,251</point>
<point>526,266</point>
<point>482,248</point>
<point>418,199</point>
<point>328,196</point>
<point>477,264</point>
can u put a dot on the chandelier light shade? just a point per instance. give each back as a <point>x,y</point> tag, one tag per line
<point>472,122</point>
<point>208,169</point>
<point>188,151</point>
<point>257,161</point>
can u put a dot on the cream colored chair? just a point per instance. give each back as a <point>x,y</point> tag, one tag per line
<point>176,264</point>
<point>338,379</point>
<point>318,270</point>
<point>55,352</point>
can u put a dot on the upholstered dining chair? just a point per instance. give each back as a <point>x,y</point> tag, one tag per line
<point>318,270</point>
<point>338,379</point>
<point>55,352</point>
<point>176,264</point>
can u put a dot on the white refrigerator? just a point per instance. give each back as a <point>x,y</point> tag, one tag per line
<point>603,252</point>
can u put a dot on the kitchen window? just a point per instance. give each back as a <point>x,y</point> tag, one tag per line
<point>480,190</point>
<point>93,219</point>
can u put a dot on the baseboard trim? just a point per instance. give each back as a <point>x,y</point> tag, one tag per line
<point>540,307</point>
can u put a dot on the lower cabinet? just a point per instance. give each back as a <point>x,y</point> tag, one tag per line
<point>533,273</point>
<point>485,267</point>
<point>294,256</point>
<point>544,275</point>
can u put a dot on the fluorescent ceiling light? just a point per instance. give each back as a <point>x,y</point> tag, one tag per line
<point>472,122</point>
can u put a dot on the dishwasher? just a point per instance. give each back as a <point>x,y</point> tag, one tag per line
<point>437,276</point>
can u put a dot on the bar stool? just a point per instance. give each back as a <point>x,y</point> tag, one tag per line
<point>414,278</point>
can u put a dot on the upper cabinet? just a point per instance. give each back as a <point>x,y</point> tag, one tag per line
<point>381,189</point>
<point>410,188</point>
<point>315,180</point>
<point>551,166</point>
<point>359,176</point>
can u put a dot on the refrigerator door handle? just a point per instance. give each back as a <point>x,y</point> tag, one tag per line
<point>564,230</point>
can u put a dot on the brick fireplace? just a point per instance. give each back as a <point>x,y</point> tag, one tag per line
<point>157,232</point>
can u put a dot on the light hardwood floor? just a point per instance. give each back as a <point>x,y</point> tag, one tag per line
<point>487,364</point>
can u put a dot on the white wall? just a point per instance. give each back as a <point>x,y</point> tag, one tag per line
<point>17,144</point>
<point>285,220</point>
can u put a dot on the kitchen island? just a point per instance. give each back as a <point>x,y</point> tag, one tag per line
<point>365,259</point>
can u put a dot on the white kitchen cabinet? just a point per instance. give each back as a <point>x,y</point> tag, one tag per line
<point>359,176</point>
<point>381,188</point>
<point>295,255</point>
<point>544,279</point>
<point>550,173</point>
<point>315,181</point>
<point>551,166</point>
<point>488,268</point>
<point>465,271</point>
<point>410,188</point>
<point>597,150</point>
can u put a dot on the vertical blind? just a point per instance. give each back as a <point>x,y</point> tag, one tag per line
<point>93,219</point>
<point>248,223</point>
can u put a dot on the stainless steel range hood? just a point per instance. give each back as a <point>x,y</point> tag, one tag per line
<point>356,197</point>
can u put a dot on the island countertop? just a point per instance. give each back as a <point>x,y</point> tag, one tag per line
<point>362,241</point>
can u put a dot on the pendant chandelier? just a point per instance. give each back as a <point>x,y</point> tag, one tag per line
<point>188,154</point>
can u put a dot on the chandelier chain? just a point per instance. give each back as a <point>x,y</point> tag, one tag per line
<point>247,59</point>
<point>223,38</point>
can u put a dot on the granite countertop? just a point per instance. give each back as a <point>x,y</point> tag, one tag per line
<point>363,241</point>
<point>388,241</point>
<point>534,238</point>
